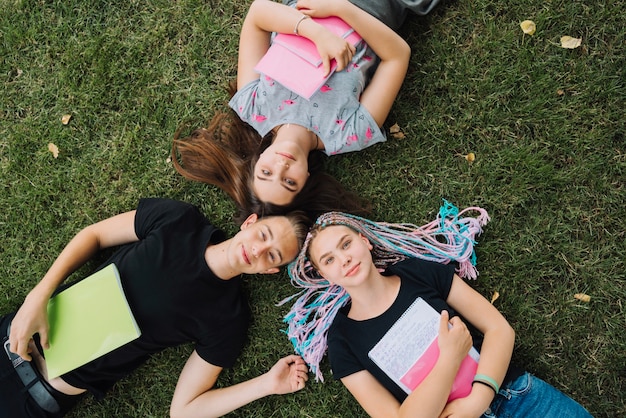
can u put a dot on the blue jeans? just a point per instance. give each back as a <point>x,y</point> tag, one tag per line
<point>529,397</point>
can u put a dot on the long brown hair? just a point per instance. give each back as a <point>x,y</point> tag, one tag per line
<point>208,156</point>
<point>224,155</point>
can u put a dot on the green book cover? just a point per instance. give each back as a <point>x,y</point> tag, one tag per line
<point>88,320</point>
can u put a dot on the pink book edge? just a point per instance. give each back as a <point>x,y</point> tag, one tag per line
<point>462,385</point>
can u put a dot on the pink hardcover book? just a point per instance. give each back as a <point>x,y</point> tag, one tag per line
<point>294,62</point>
<point>409,350</point>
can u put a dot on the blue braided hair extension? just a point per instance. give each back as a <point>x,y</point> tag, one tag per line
<point>450,237</point>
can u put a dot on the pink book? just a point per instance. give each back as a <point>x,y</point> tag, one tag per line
<point>409,350</point>
<point>294,62</point>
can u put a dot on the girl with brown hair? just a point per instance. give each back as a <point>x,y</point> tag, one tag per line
<point>262,155</point>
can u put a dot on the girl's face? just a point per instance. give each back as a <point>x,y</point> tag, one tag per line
<point>341,255</point>
<point>280,173</point>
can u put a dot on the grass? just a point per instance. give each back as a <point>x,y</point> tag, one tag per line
<point>546,125</point>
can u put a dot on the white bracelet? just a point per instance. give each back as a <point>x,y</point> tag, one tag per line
<point>295,29</point>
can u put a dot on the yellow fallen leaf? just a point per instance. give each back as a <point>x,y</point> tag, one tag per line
<point>53,149</point>
<point>528,27</point>
<point>495,296</point>
<point>582,297</point>
<point>570,43</point>
<point>66,119</point>
<point>396,131</point>
<point>470,157</point>
<point>560,92</point>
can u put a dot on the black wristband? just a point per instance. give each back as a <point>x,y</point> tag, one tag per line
<point>486,384</point>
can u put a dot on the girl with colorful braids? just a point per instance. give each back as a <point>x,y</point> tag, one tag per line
<point>359,277</point>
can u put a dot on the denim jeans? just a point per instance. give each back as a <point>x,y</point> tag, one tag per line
<point>530,397</point>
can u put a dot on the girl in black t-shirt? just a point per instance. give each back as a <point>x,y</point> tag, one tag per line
<point>360,276</point>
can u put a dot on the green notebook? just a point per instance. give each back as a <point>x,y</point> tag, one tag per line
<point>88,320</point>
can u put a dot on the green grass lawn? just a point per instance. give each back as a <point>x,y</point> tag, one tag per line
<point>546,125</point>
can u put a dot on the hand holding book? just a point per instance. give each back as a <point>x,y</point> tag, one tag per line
<point>334,49</point>
<point>454,340</point>
<point>407,361</point>
<point>296,62</point>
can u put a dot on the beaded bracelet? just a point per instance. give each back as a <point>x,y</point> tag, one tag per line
<point>295,29</point>
<point>488,381</point>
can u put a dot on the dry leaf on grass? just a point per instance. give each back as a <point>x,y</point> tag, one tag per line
<point>396,132</point>
<point>570,43</point>
<point>53,149</point>
<point>528,27</point>
<point>495,296</point>
<point>582,297</point>
<point>66,119</point>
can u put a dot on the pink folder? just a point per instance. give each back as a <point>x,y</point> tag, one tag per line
<point>462,385</point>
<point>294,62</point>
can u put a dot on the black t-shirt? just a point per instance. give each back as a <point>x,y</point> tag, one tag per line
<point>349,341</point>
<point>173,294</point>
